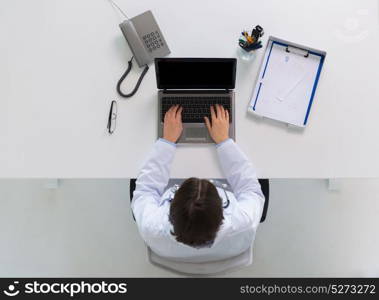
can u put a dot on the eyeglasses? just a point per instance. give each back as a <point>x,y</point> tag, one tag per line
<point>112,117</point>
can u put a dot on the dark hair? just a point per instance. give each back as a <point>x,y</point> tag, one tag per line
<point>196,212</point>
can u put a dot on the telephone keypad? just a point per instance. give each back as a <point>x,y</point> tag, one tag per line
<point>153,41</point>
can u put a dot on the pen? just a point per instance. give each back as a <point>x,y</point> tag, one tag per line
<point>250,39</point>
<point>246,35</point>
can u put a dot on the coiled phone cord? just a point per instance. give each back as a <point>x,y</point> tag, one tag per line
<point>130,65</point>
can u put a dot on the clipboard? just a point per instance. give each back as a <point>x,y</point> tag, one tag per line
<point>287,82</point>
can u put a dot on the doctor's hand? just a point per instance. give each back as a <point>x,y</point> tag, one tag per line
<point>219,127</point>
<point>173,127</point>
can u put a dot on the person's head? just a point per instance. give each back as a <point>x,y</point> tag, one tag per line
<point>196,212</point>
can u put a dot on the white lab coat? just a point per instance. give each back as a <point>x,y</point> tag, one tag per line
<point>151,205</point>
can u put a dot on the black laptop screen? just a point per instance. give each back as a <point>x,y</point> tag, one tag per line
<point>195,73</point>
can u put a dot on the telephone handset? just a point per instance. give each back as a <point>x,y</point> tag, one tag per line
<point>146,42</point>
<point>144,38</point>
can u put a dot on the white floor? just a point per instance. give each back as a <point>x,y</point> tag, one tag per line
<point>85,228</point>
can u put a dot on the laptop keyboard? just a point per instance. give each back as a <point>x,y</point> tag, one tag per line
<point>195,108</point>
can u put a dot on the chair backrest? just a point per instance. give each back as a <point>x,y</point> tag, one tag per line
<point>265,186</point>
<point>205,268</point>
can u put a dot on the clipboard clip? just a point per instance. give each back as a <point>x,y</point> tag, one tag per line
<point>296,50</point>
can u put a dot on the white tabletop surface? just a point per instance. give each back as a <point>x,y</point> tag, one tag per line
<point>60,61</point>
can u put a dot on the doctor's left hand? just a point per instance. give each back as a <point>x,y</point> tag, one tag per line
<point>173,127</point>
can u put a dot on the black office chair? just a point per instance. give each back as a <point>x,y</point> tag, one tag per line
<point>265,186</point>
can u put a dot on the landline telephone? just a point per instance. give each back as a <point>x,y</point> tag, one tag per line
<point>146,41</point>
<point>144,38</point>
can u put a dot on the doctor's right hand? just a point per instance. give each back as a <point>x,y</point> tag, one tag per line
<point>219,128</point>
<point>173,126</point>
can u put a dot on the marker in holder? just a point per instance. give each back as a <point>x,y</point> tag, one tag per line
<point>251,42</point>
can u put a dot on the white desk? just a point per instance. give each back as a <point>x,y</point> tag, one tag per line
<point>60,61</point>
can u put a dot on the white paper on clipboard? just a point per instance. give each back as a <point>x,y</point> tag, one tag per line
<point>286,83</point>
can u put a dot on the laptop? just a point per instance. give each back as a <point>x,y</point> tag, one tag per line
<point>195,84</point>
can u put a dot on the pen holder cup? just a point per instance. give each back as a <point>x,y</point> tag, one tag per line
<point>246,55</point>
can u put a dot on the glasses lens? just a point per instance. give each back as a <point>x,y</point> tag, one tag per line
<point>114,107</point>
<point>113,117</point>
<point>112,126</point>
